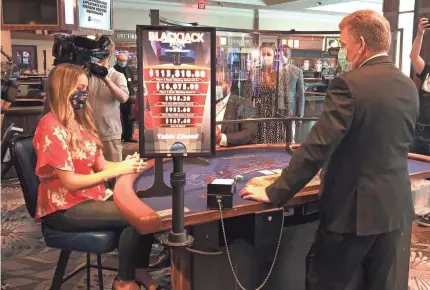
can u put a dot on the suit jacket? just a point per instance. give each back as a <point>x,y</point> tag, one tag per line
<point>128,73</point>
<point>361,139</point>
<point>294,103</point>
<point>239,133</point>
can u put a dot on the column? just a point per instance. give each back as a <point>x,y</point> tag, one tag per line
<point>400,14</point>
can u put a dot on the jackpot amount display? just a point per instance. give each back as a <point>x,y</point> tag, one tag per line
<point>177,96</point>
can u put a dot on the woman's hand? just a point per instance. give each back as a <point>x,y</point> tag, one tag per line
<point>131,164</point>
<point>423,26</point>
<point>135,155</point>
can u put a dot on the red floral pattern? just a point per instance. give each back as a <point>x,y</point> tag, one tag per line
<point>53,153</point>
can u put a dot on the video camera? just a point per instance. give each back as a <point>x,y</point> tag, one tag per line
<point>80,50</point>
<point>9,79</point>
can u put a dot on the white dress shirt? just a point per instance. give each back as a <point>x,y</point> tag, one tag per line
<point>220,112</point>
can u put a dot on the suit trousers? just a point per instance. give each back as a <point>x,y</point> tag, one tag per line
<point>334,259</point>
<point>127,121</point>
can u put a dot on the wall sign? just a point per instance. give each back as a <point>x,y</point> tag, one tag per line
<point>125,36</point>
<point>95,14</point>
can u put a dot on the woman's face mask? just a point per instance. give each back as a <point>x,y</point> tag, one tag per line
<point>344,64</point>
<point>266,60</point>
<point>78,99</point>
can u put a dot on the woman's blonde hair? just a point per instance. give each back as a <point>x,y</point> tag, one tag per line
<point>62,84</point>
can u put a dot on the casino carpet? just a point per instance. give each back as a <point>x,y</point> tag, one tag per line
<point>27,264</point>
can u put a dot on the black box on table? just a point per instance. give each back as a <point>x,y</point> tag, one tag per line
<point>223,190</point>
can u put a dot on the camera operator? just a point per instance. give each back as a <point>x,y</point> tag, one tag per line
<point>421,142</point>
<point>126,108</point>
<point>105,95</point>
<point>9,86</point>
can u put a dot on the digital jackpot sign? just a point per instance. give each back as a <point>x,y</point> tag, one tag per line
<point>177,90</point>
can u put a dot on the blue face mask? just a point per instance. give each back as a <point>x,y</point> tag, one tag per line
<point>78,99</point>
<point>344,64</point>
<point>122,63</point>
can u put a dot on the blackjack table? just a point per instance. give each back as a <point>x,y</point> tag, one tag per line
<point>252,230</point>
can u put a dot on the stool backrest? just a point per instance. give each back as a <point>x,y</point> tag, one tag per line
<point>24,160</point>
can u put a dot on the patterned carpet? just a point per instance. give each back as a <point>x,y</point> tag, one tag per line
<point>27,264</point>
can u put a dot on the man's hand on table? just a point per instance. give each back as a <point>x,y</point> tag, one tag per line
<point>256,193</point>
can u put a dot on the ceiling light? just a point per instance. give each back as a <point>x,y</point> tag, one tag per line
<point>348,7</point>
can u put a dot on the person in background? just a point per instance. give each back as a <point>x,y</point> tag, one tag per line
<point>232,107</point>
<point>361,141</point>
<point>72,172</point>
<point>261,89</point>
<point>291,98</point>
<point>105,96</point>
<point>126,108</point>
<point>421,144</point>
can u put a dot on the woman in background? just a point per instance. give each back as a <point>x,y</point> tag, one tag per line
<point>264,96</point>
<point>72,172</point>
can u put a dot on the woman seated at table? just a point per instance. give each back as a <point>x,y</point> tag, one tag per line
<point>72,172</point>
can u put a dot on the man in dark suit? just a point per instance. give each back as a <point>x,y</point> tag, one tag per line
<point>232,107</point>
<point>361,139</point>
<point>291,99</point>
<point>126,108</point>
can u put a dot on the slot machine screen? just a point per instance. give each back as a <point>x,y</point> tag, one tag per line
<point>177,91</point>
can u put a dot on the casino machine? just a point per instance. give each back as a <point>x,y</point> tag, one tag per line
<point>177,73</point>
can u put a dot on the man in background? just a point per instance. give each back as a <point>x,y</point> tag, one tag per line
<point>126,108</point>
<point>291,98</point>
<point>232,107</point>
<point>361,141</point>
<point>105,96</point>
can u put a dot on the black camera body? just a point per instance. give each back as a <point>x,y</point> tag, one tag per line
<point>80,50</point>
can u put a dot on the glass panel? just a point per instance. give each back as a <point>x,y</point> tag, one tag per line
<point>406,5</point>
<point>406,21</point>
<point>398,40</point>
<point>264,73</point>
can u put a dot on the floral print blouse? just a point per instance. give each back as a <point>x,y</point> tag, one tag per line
<point>53,153</point>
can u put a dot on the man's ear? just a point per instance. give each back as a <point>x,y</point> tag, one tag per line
<point>362,46</point>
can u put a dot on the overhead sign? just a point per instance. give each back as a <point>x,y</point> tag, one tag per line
<point>125,36</point>
<point>95,14</point>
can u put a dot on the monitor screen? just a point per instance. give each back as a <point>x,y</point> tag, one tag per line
<point>30,12</point>
<point>95,14</point>
<point>177,85</point>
